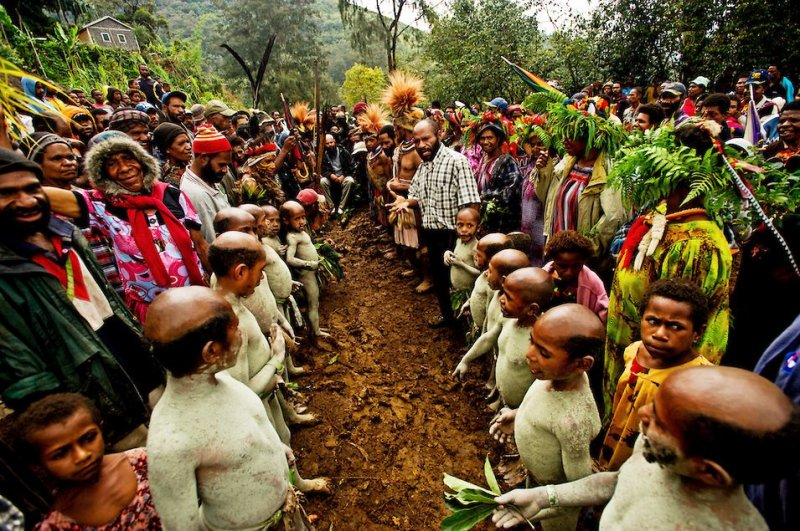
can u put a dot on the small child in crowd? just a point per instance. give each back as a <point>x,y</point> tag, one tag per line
<point>558,417</point>
<point>525,292</point>
<point>301,254</point>
<point>462,259</point>
<point>569,251</point>
<point>485,249</point>
<point>61,435</point>
<point>674,314</point>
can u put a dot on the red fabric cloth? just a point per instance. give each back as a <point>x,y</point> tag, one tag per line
<point>635,235</point>
<point>136,206</point>
<point>60,271</point>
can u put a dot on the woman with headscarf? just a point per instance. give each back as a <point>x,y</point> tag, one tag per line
<point>54,154</point>
<point>153,228</point>
<point>174,148</point>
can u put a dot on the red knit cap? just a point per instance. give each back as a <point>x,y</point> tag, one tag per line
<point>208,141</point>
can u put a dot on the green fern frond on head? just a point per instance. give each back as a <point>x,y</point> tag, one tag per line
<point>565,123</point>
<point>540,102</point>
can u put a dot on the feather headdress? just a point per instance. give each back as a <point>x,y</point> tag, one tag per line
<point>304,118</point>
<point>373,119</point>
<point>401,96</point>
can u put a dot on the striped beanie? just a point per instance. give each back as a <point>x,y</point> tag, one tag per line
<point>124,119</point>
<point>208,141</point>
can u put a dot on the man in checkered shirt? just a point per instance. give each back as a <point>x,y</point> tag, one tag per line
<point>442,185</point>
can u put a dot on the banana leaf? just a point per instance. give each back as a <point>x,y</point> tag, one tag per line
<point>469,504</point>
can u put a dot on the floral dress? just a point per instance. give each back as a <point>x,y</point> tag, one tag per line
<point>139,515</point>
<point>139,287</point>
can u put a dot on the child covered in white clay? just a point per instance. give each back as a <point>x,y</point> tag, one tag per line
<point>238,260</point>
<point>461,260</point>
<point>301,254</point>
<point>210,442</point>
<point>558,417</point>
<point>278,273</point>
<point>525,292</point>
<point>501,264</point>
<point>485,249</point>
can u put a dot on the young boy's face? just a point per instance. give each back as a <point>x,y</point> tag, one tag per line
<point>667,330</point>
<point>547,359</point>
<point>479,256</point>
<point>568,266</point>
<point>71,451</point>
<point>272,222</point>
<point>493,276</point>
<point>296,220</point>
<point>466,225</point>
<point>512,303</point>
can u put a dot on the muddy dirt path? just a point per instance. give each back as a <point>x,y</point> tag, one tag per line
<point>393,420</point>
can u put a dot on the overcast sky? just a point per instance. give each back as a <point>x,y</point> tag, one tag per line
<point>579,6</point>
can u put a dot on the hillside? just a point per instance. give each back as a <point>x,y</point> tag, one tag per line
<point>188,18</point>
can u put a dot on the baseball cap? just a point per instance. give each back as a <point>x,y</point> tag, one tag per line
<point>218,107</point>
<point>700,80</point>
<point>757,77</point>
<point>176,94</point>
<point>674,89</point>
<point>500,103</point>
<point>198,112</point>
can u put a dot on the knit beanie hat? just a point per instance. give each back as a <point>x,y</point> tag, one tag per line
<point>307,197</point>
<point>209,141</point>
<point>124,119</point>
<point>165,134</point>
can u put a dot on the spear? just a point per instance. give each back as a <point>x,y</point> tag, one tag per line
<point>320,129</point>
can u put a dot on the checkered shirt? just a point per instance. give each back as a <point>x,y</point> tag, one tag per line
<point>441,187</point>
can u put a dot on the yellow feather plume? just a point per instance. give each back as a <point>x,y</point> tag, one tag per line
<point>304,118</point>
<point>403,93</point>
<point>373,119</point>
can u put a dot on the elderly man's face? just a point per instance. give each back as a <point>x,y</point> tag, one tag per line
<point>330,142</point>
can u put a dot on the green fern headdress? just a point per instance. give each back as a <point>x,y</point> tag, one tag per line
<point>650,167</point>
<point>566,122</point>
<point>528,127</point>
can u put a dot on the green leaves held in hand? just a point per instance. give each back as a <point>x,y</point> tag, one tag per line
<point>469,504</point>
<point>329,267</point>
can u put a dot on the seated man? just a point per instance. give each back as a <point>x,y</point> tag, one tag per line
<point>337,175</point>
<point>210,438</point>
<point>708,431</point>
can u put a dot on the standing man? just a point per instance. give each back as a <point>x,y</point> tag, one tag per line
<point>173,104</point>
<point>779,86</point>
<point>59,317</point>
<point>151,88</point>
<point>442,185</point>
<point>212,157</point>
<point>337,173</point>
<point>671,100</point>
<point>219,115</point>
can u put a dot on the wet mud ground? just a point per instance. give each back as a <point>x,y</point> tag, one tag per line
<point>393,420</point>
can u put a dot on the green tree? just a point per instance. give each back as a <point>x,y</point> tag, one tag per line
<point>467,44</point>
<point>246,28</point>
<point>363,83</point>
<point>382,23</point>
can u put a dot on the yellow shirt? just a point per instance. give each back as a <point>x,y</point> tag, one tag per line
<point>624,428</point>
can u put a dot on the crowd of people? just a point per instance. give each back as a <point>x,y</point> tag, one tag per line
<point>159,270</point>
